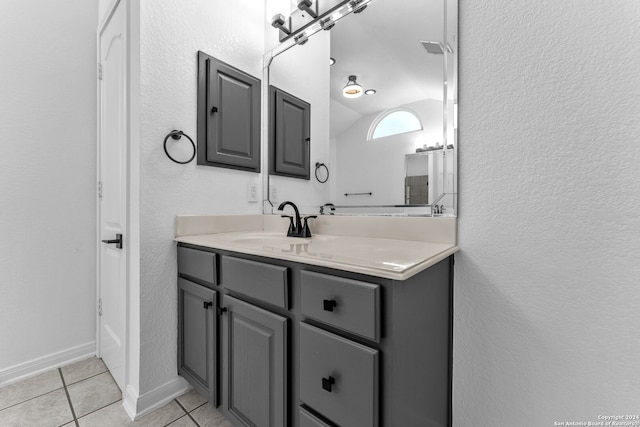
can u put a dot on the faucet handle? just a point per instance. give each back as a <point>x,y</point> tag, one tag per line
<point>291,226</point>
<point>306,231</point>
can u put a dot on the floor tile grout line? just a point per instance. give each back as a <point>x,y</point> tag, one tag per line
<point>200,406</point>
<point>89,377</point>
<point>64,384</point>
<point>66,392</point>
<point>31,398</point>
<point>102,407</point>
<point>187,412</point>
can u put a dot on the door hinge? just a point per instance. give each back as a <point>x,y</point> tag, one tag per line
<point>100,189</point>
<point>99,71</point>
<point>100,307</point>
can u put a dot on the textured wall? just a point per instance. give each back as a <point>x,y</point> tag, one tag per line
<point>171,33</point>
<point>47,175</point>
<point>546,294</point>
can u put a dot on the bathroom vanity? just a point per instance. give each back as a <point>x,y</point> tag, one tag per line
<point>350,329</point>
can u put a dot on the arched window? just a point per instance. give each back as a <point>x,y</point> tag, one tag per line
<point>394,122</point>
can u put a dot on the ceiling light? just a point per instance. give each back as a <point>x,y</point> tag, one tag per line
<point>352,89</point>
<point>370,92</point>
<point>332,61</point>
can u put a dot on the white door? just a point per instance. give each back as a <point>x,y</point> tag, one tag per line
<point>112,194</point>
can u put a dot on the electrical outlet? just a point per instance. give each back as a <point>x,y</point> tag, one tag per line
<point>273,196</point>
<point>252,192</point>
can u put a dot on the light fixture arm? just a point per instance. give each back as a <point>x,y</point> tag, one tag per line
<point>305,5</point>
<point>280,22</point>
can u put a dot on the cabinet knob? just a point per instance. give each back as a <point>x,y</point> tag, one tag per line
<point>222,310</point>
<point>207,304</point>
<point>329,304</point>
<point>327,383</point>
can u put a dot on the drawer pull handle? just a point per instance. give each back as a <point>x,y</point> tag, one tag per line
<point>207,304</point>
<point>327,383</point>
<point>329,304</point>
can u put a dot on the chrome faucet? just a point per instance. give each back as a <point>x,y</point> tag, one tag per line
<point>328,205</point>
<point>435,209</point>
<point>296,227</point>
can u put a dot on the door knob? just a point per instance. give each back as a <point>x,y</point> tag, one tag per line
<point>117,241</point>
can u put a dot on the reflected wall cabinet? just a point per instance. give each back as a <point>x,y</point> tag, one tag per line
<point>289,135</point>
<point>228,116</point>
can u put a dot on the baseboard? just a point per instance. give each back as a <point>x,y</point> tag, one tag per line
<point>137,405</point>
<point>41,364</point>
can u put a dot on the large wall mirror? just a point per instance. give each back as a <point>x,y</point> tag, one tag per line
<point>391,149</point>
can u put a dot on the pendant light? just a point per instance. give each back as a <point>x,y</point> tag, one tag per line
<point>352,89</point>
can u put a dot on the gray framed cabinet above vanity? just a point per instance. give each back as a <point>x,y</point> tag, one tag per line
<point>276,342</point>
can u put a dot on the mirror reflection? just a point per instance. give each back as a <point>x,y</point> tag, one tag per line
<point>381,89</point>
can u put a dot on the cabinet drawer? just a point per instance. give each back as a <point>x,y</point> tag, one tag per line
<point>197,264</point>
<point>338,377</point>
<point>265,282</point>
<point>309,420</point>
<point>346,304</point>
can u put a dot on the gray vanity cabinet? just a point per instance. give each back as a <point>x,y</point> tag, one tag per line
<point>254,365</point>
<point>196,336</point>
<point>228,116</point>
<point>310,346</point>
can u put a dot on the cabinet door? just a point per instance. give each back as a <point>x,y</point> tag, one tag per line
<point>290,132</point>
<point>228,116</point>
<point>197,337</point>
<point>254,365</point>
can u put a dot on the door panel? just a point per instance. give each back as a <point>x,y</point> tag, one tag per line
<point>290,129</point>
<point>112,140</point>
<point>228,116</point>
<point>255,365</point>
<point>197,337</point>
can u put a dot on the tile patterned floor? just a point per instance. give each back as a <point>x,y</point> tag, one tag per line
<point>85,395</point>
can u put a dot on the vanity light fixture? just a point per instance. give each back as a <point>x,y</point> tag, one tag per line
<point>370,92</point>
<point>321,16</point>
<point>332,61</point>
<point>352,89</point>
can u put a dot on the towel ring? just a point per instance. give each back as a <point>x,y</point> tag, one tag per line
<point>176,135</point>
<point>318,166</point>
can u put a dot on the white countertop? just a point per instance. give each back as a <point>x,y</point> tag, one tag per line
<point>382,257</point>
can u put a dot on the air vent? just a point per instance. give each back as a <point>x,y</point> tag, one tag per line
<point>433,47</point>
